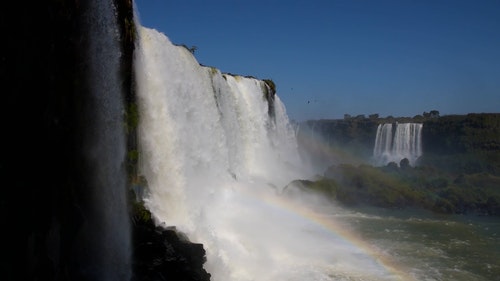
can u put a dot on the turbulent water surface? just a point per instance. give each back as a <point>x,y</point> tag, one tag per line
<point>430,246</point>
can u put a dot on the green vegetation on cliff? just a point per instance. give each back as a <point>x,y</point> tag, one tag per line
<point>463,143</point>
<point>462,133</point>
<point>459,171</point>
<point>420,187</point>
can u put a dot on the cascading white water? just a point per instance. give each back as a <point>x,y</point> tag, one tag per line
<point>383,143</point>
<point>104,239</point>
<point>407,141</point>
<point>216,162</point>
<point>404,142</point>
<point>200,124</point>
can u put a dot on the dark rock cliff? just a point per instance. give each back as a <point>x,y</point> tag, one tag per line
<point>462,133</point>
<point>40,214</point>
<point>44,196</point>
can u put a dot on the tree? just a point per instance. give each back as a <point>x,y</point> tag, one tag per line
<point>431,114</point>
<point>434,114</point>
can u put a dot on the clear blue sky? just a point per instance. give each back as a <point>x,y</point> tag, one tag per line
<point>330,57</point>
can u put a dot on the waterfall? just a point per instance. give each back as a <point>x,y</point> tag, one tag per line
<point>104,247</point>
<point>202,135</point>
<point>217,158</point>
<point>200,127</point>
<point>393,145</point>
<point>407,141</point>
<point>383,142</point>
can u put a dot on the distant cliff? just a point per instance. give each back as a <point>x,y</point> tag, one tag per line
<point>458,172</point>
<point>462,133</point>
<point>463,143</point>
<point>352,139</point>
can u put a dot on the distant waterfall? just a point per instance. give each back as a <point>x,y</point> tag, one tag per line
<point>394,143</point>
<point>383,142</point>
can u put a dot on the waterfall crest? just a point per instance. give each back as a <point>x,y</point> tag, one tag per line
<point>394,143</point>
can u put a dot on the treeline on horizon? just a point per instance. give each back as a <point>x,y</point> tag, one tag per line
<point>389,119</point>
<point>419,118</point>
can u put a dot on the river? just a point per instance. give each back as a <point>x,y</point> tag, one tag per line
<point>430,246</point>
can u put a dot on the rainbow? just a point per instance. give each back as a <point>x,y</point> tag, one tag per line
<point>328,223</point>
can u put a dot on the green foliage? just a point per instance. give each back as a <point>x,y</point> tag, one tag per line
<point>462,133</point>
<point>466,163</point>
<point>483,181</point>
<point>437,183</point>
<point>459,171</point>
<point>269,90</point>
<point>271,85</point>
<point>325,186</point>
<point>132,155</point>
<point>443,206</point>
<point>213,71</point>
<point>131,123</point>
<point>131,117</point>
<point>130,30</point>
<point>425,187</point>
<point>372,185</point>
<point>140,213</point>
<point>432,114</point>
<point>463,144</point>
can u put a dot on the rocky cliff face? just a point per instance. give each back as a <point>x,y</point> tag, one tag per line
<point>40,214</point>
<point>462,133</point>
<point>463,143</point>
